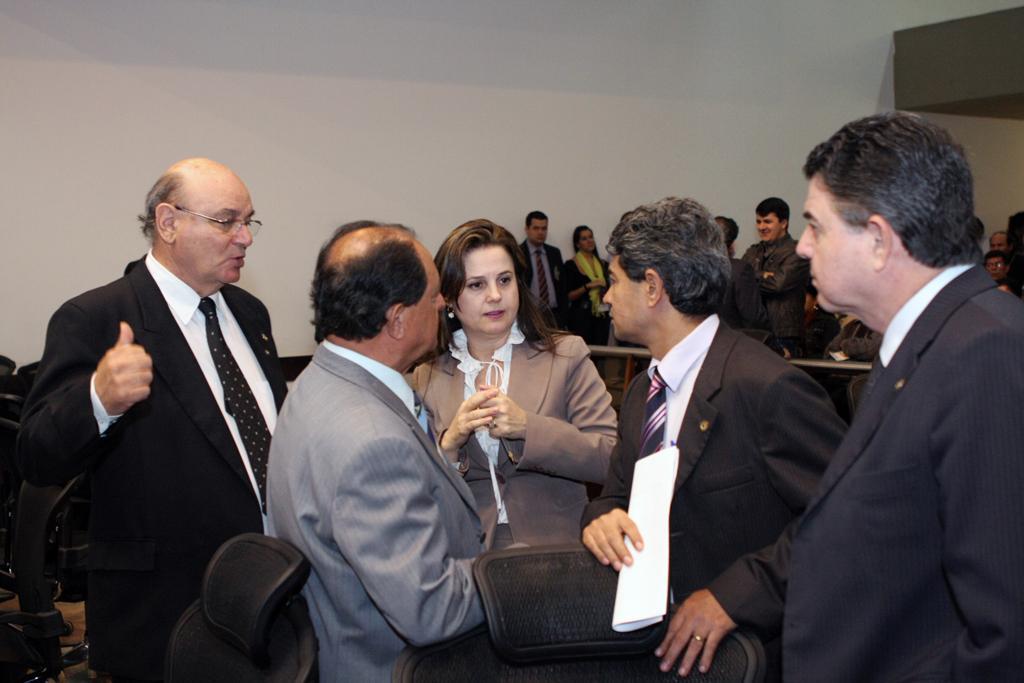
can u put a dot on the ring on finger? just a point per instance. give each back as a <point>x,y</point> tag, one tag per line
<point>698,638</point>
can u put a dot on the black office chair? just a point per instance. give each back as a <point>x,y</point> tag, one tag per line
<point>27,376</point>
<point>10,483</point>
<point>10,406</point>
<point>30,637</point>
<point>549,613</point>
<point>854,391</point>
<point>250,623</point>
<point>7,366</point>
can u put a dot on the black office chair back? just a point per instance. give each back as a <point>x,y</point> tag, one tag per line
<point>854,391</point>
<point>10,406</point>
<point>549,613</point>
<point>33,647</point>
<point>471,658</point>
<point>547,602</point>
<point>10,483</point>
<point>7,366</point>
<point>250,623</point>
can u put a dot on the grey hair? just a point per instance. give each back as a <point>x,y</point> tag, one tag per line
<point>680,241</point>
<point>163,190</point>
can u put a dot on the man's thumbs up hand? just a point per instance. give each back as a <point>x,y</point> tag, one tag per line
<point>124,373</point>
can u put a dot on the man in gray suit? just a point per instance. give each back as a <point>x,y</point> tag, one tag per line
<point>355,481</point>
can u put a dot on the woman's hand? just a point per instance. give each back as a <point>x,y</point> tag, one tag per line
<point>509,420</point>
<point>599,282</point>
<point>470,416</point>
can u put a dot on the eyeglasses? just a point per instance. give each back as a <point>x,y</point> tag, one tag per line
<point>226,225</point>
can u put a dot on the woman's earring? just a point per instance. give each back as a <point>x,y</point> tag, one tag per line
<point>451,312</point>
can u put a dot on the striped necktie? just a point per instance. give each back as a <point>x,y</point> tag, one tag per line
<point>542,278</point>
<point>655,415</point>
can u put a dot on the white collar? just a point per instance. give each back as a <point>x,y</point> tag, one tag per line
<point>674,366</point>
<point>388,376</point>
<point>182,299</point>
<point>909,312</point>
<point>470,366</point>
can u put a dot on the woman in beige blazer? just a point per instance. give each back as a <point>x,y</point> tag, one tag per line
<point>516,406</point>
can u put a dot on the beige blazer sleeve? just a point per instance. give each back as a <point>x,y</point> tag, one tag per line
<point>571,427</point>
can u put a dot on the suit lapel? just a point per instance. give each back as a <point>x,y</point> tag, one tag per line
<point>889,382</point>
<point>529,384</point>
<point>342,367</point>
<point>554,263</point>
<point>449,398</point>
<point>176,365</point>
<point>256,329</point>
<point>700,417</point>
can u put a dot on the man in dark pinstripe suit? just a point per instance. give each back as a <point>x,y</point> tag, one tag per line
<point>909,562</point>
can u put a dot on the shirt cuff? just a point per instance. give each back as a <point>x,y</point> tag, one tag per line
<point>103,420</point>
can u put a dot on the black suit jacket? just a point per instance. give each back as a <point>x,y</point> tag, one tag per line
<point>756,436</point>
<point>168,483</point>
<point>909,562</point>
<point>555,262</point>
<point>783,291</point>
<point>742,307</point>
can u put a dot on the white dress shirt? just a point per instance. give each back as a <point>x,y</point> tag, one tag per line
<point>497,372</point>
<point>184,304</point>
<point>679,369</point>
<point>909,312</point>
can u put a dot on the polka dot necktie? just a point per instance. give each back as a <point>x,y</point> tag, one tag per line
<point>239,401</point>
<point>655,416</point>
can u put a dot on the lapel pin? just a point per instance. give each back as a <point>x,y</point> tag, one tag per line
<point>704,425</point>
<point>899,384</point>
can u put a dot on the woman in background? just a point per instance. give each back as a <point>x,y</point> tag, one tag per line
<point>518,407</point>
<point>586,281</point>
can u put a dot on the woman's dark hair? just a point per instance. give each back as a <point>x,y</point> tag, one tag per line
<point>576,238</point>
<point>535,321</point>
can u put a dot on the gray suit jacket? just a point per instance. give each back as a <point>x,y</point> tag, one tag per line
<point>390,530</point>
<point>570,434</point>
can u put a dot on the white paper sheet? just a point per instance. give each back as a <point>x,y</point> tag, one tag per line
<point>642,595</point>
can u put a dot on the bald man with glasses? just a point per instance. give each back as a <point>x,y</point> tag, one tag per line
<point>164,386</point>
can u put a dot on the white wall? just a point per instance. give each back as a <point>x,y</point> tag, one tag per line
<point>427,113</point>
<point>995,149</point>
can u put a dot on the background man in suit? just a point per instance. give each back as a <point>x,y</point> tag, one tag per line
<point>998,241</point>
<point>130,389</point>
<point>356,481</point>
<point>754,434</point>
<point>907,564</point>
<point>544,263</point>
<point>782,275</point>
<point>742,306</point>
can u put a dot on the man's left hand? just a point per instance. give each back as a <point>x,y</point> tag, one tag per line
<point>698,626</point>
